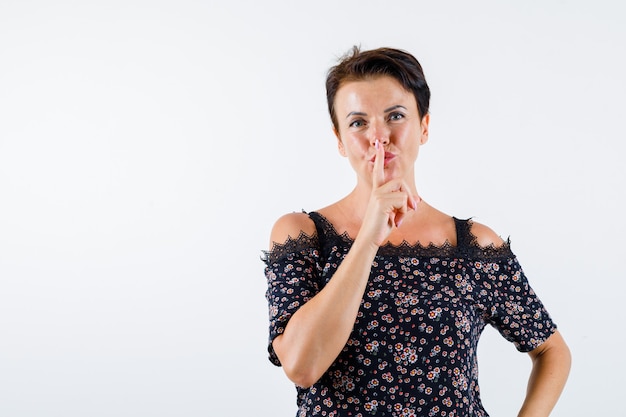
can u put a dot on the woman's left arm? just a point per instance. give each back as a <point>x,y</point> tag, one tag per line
<point>551,366</point>
<point>551,360</point>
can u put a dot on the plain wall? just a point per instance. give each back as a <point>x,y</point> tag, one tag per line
<point>146,148</point>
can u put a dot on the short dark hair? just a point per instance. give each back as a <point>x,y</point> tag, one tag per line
<point>357,65</point>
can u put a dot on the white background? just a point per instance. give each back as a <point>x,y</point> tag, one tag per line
<point>146,148</point>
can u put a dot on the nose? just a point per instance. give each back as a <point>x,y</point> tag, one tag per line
<point>379,132</point>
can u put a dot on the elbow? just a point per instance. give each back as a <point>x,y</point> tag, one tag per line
<point>302,375</point>
<point>300,365</point>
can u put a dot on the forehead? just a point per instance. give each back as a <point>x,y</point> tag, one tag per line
<point>382,91</point>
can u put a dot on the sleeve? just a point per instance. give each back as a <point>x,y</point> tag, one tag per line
<point>291,282</point>
<point>513,308</point>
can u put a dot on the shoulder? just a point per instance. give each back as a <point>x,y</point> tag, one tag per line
<point>484,235</point>
<point>291,226</point>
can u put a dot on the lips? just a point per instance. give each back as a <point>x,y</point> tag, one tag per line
<point>388,157</point>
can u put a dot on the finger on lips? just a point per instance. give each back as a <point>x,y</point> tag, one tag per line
<point>379,164</point>
<point>379,180</point>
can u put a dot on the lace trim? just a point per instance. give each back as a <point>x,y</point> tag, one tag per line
<point>470,249</point>
<point>464,249</point>
<point>490,251</point>
<point>279,250</point>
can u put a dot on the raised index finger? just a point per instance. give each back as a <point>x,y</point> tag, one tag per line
<point>378,173</point>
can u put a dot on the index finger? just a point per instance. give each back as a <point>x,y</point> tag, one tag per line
<point>378,173</point>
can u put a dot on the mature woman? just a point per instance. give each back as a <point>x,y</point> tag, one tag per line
<point>377,302</point>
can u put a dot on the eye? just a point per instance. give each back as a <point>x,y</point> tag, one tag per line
<point>395,116</point>
<point>357,123</point>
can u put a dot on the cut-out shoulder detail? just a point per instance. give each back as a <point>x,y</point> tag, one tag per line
<point>494,248</point>
<point>484,236</point>
<point>302,243</point>
<point>290,226</point>
<point>292,232</point>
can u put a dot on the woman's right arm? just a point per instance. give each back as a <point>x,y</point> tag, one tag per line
<point>318,331</point>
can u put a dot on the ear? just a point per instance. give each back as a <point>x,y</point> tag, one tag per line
<point>342,149</point>
<point>424,125</point>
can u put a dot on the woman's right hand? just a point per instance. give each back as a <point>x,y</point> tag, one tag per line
<point>389,203</point>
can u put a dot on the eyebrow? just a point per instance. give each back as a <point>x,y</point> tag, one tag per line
<point>398,106</point>
<point>360,113</point>
<point>356,113</point>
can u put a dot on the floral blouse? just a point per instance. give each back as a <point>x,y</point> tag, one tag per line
<point>412,351</point>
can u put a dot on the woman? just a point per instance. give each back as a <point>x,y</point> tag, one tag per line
<point>377,301</point>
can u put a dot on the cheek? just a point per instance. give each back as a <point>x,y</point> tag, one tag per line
<point>355,145</point>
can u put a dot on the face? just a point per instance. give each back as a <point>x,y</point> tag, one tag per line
<point>379,109</point>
